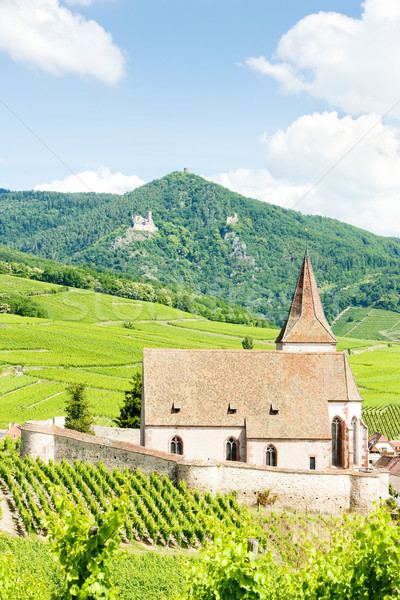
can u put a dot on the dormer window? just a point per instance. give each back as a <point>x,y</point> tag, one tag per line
<point>176,407</point>
<point>232,408</point>
<point>273,409</point>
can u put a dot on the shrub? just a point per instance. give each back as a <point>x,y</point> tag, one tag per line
<point>248,343</point>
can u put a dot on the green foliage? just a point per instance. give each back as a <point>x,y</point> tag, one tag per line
<point>228,571</point>
<point>392,491</point>
<point>361,562</point>
<point>145,576</point>
<point>17,304</point>
<point>248,343</point>
<point>353,267</point>
<point>17,586</point>
<point>129,414</point>
<point>77,408</point>
<point>84,554</point>
<point>369,323</point>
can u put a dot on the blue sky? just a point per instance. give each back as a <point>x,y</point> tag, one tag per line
<point>263,96</point>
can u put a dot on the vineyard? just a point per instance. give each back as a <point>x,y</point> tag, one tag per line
<point>384,420</point>
<point>160,513</point>
<point>369,324</point>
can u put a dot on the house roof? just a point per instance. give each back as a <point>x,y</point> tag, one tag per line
<point>14,432</point>
<point>389,463</point>
<point>204,383</point>
<point>376,438</point>
<point>306,322</point>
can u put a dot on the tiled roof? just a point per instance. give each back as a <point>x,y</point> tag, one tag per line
<point>390,463</point>
<point>205,382</point>
<point>376,438</point>
<point>306,322</point>
<point>14,432</point>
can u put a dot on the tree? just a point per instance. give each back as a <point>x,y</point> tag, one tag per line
<point>247,342</point>
<point>79,415</point>
<point>129,414</point>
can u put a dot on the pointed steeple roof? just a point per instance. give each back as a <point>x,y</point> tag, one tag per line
<point>306,322</point>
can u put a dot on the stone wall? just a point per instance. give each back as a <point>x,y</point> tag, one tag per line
<point>325,492</point>
<point>132,436</point>
<point>55,443</point>
<point>316,491</point>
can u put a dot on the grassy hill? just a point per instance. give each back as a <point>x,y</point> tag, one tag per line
<point>253,263</point>
<point>98,339</point>
<point>369,323</point>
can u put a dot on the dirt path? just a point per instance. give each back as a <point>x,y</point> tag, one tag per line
<point>359,323</point>
<point>44,399</point>
<point>369,349</point>
<point>7,522</point>
<point>162,321</point>
<point>339,315</point>
<point>224,335</point>
<point>20,388</point>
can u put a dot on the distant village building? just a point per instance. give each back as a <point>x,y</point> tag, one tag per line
<point>392,465</point>
<point>13,431</point>
<point>232,220</point>
<point>379,443</point>
<point>297,407</point>
<point>143,224</point>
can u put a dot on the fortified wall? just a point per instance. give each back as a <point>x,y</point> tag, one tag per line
<point>315,491</point>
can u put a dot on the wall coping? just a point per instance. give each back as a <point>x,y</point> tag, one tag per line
<point>102,441</point>
<point>241,465</point>
<point>96,440</point>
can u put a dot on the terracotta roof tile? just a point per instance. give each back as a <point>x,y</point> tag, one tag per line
<point>306,322</point>
<point>375,438</point>
<point>389,463</point>
<point>206,382</point>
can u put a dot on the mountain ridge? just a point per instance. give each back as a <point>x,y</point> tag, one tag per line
<point>254,262</point>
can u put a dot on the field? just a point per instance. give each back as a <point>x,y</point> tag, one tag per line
<point>138,575</point>
<point>160,516</point>
<point>369,324</point>
<point>98,340</point>
<point>378,376</point>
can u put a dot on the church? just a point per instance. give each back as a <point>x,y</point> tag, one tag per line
<point>297,407</point>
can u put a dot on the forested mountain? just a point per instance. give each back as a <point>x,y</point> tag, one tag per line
<point>253,262</point>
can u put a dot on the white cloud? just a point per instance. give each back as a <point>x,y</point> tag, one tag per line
<point>100,181</point>
<point>363,189</point>
<point>79,2</point>
<point>44,34</point>
<point>351,63</point>
<point>83,2</point>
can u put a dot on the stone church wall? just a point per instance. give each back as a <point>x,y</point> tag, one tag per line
<point>293,454</point>
<point>316,491</point>
<point>208,443</point>
<point>323,491</point>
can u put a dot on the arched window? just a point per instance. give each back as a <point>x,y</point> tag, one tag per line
<point>355,440</point>
<point>232,449</point>
<point>337,442</point>
<point>176,445</point>
<point>271,456</point>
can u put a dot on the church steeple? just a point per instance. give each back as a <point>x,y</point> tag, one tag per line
<point>306,328</point>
